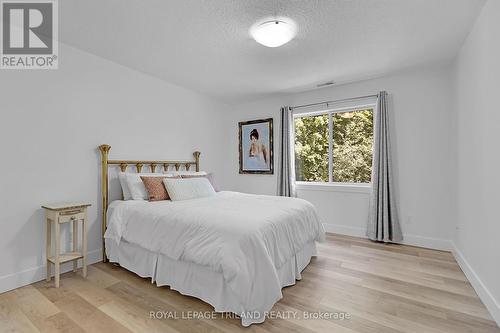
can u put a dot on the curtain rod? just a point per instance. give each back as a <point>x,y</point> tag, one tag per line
<point>330,102</point>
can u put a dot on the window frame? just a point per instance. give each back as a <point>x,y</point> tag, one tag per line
<point>331,185</point>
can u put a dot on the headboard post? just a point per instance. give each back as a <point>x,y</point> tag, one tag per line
<point>104,149</point>
<point>197,160</point>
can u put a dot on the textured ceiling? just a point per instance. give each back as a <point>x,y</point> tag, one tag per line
<point>204,45</point>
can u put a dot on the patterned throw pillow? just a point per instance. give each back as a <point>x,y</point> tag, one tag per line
<point>155,187</point>
<point>210,177</point>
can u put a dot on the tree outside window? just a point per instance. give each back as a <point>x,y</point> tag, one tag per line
<point>350,147</point>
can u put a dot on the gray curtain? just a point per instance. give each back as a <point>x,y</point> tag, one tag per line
<point>383,221</point>
<point>286,163</point>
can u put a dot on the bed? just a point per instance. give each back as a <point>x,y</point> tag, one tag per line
<point>232,250</point>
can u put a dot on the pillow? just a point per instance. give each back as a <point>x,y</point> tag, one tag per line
<point>209,176</point>
<point>122,176</point>
<point>185,172</point>
<point>155,188</point>
<point>188,188</point>
<point>136,186</point>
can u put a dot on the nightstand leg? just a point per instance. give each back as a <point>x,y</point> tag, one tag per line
<point>84,245</point>
<point>57,265</point>
<point>75,243</point>
<point>47,249</point>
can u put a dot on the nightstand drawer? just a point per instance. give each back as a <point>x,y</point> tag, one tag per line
<point>70,216</point>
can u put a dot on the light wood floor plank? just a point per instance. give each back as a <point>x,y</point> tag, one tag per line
<point>61,323</point>
<point>12,319</point>
<point>130,294</point>
<point>83,313</point>
<point>34,305</point>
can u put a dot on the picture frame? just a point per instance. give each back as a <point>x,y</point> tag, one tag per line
<point>256,146</point>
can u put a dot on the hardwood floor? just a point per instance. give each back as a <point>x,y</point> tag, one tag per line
<point>384,288</point>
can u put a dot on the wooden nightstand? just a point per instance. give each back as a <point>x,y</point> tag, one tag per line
<point>64,213</point>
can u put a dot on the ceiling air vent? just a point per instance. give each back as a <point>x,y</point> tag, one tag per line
<point>321,85</point>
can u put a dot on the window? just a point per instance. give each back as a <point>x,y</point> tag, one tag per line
<point>334,146</point>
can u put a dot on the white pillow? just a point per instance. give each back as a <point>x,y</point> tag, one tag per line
<point>136,187</point>
<point>122,176</point>
<point>188,188</point>
<point>186,173</point>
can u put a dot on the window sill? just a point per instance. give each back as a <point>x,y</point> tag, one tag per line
<point>334,187</point>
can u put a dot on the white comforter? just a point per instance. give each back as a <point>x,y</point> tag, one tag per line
<point>243,236</point>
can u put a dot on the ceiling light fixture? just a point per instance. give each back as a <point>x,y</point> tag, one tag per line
<point>274,33</point>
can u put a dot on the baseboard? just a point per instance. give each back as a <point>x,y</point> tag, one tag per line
<point>345,230</point>
<point>420,241</point>
<point>35,274</point>
<point>482,291</point>
<point>428,242</point>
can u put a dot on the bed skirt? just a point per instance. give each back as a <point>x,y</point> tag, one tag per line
<point>200,281</point>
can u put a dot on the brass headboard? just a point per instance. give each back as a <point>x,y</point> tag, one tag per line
<point>123,164</point>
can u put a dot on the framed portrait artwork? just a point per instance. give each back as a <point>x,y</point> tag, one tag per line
<point>256,146</point>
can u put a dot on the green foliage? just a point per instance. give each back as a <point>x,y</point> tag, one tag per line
<point>352,147</point>
<point>311,148</point>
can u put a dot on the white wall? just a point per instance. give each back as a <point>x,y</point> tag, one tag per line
<point>477,237</point>
<point>52,123</point>
<point>423,154</point>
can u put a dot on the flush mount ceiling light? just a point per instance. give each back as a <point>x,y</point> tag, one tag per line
<point>274,33</point>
